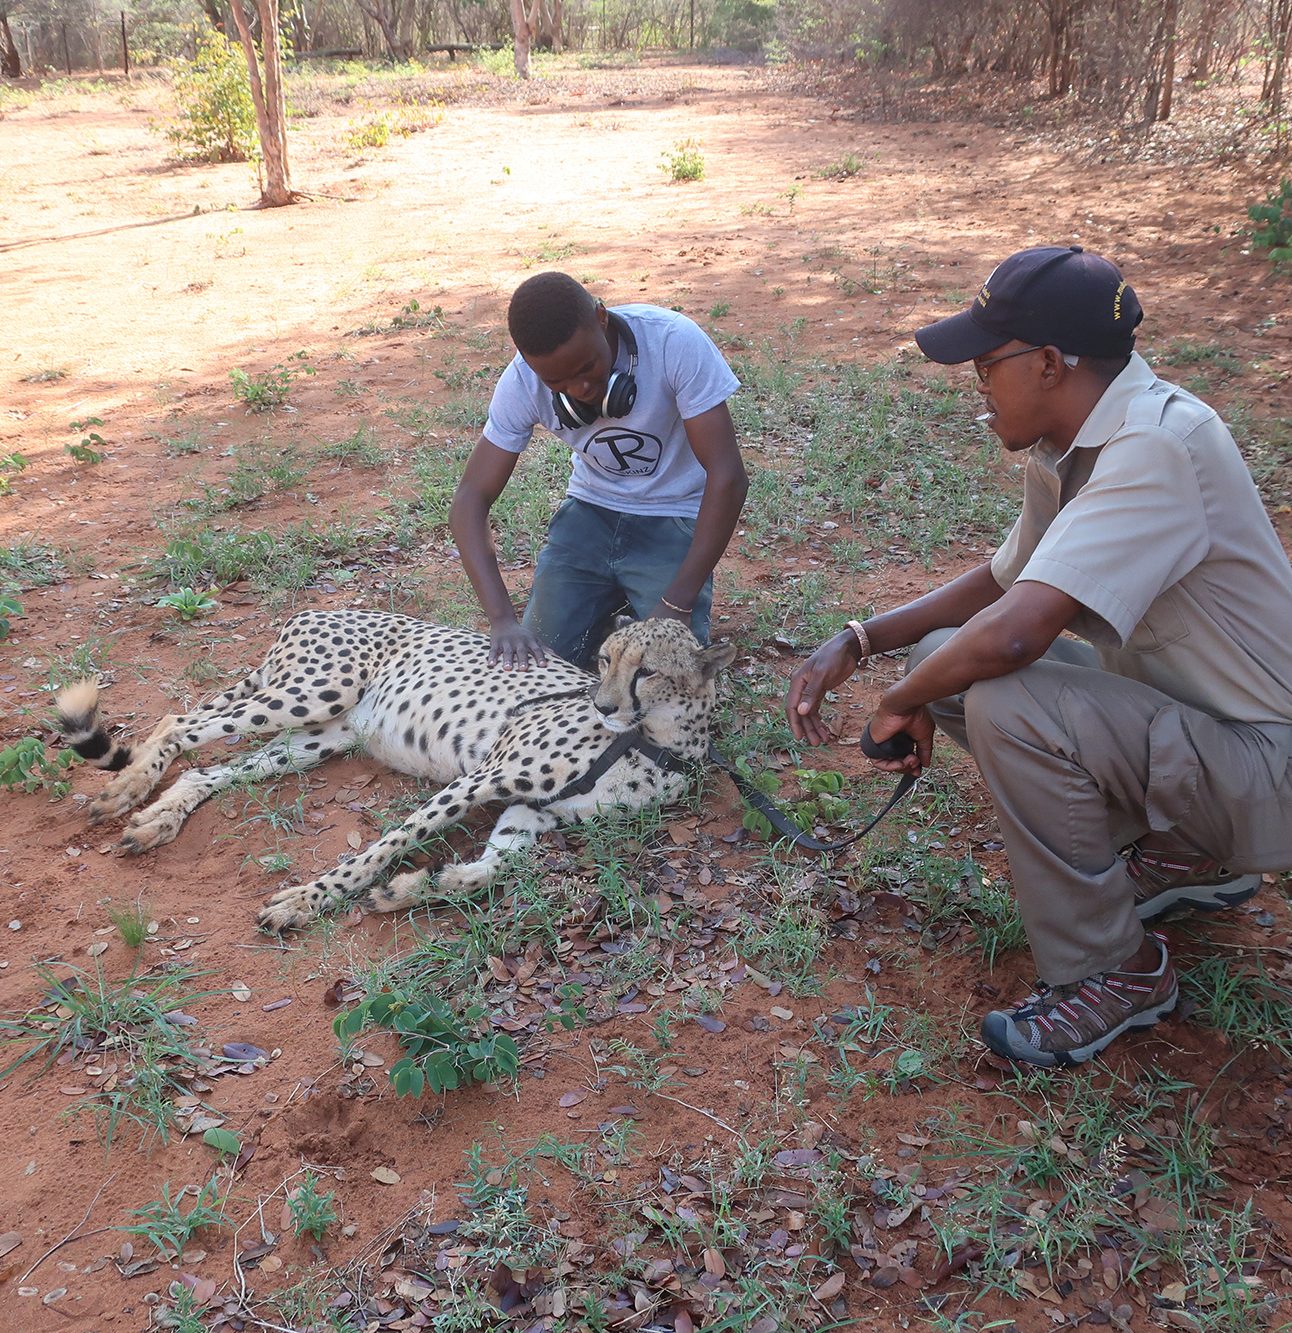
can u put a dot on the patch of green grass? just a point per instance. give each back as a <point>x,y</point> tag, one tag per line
<point>85,1018</point>
<point>786,933</point>
<point>897,457</point>
<point>1189,353</point>
<point>191,441</point>
<point>283,558</point>
<point>261,469</point>
<point>31,563</point>
<point>1051,1174</point>
<point>1242,1001</point>
<point>49,376</point>
<point>362,448</point>
<point>164,1223</point>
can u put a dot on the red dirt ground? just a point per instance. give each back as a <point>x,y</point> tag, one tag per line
<point>145,282</point>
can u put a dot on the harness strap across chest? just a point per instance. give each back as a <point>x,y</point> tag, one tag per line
<point>625,741</point>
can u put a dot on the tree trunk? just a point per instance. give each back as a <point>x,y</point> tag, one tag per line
<point>10,65</point>
<point>524,27</point>
<point>271,110</point>
<point>1168,59</point>
<point>377,12</point>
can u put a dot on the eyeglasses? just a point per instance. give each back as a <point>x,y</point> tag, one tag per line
<point>982,367</point>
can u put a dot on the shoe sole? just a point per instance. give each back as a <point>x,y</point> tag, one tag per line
<point>1002,1037</point>
<point>1199,898</point>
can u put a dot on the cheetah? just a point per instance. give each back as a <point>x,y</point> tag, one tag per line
<point>422,699</point>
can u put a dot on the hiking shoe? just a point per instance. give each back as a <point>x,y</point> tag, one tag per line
<point>1165,881</point>
<point>1064,1025</point>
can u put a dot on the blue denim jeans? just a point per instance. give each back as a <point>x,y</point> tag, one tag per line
<point>597,562</point>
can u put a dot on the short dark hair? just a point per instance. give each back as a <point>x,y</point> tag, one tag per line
<point>546,311</point>
<point>1107,368</point>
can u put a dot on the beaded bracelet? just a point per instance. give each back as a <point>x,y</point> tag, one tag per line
<point>863,639</point>
<point>681,610</point>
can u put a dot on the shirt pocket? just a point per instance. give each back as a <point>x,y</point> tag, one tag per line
<point>1163,624</point>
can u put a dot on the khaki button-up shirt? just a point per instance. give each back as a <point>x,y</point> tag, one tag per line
<point>1152,522</point>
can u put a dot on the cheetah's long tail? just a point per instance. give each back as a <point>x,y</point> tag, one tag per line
<point>77,717</point>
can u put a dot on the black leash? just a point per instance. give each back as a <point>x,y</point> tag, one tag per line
<point>896,747</point>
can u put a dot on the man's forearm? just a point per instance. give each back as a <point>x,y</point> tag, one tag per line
<point>719,513</point>
<point>469,524</point>
<point>1016,630</point>
<point>948,607</point>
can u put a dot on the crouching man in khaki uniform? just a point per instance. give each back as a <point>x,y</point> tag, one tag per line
<point>1146,768</point>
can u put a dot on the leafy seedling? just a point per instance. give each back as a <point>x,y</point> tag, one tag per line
<point>311,1210</point>
<point>188,604</point>
<point>444,1050</point>
<point>92,444</point>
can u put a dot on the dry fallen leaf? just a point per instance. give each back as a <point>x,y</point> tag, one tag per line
<point>384,1175</point>
<point>830,1288</point>
<point>10,1241</point>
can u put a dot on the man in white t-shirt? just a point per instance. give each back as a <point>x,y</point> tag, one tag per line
<point>657,483</point>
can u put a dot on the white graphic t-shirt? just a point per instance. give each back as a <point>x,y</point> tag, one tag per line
<point>641,463</point>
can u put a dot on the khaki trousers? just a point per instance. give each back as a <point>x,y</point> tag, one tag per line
<point>1080,762</point>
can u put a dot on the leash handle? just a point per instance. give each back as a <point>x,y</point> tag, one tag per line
<point>895,747</point>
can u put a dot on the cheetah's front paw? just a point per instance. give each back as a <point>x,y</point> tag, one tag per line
<point>406,890</point>
<point>121,795</point>
<point>290,909</point>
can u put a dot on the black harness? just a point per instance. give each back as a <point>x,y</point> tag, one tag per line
<point>632,739</point>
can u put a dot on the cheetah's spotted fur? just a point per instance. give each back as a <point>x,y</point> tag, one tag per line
<point>422,699</point>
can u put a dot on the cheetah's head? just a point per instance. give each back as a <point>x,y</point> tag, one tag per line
<point>654,675</point>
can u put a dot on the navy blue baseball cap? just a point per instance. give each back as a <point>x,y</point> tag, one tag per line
<point>1053,296</point>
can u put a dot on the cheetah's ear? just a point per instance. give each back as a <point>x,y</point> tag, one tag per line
<point>622,622</point>
<point>712,660</point>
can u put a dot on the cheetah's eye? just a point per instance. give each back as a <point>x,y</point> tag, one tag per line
<point>642,673</point>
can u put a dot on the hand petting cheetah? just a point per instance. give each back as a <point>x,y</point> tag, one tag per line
<point>422,699</point>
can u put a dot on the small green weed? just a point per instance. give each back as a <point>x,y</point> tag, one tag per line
<point>311,1210</point>
<point>684,161</point>
<point>167,1226</point>
<point>1273,225</point>
<point>444,1049</point>
<point>50,376</point>
<point>24,766</point>
<point>131,923</point>
<point>262,392</point>
<point>188,604</point>
<point>10,607</point>
<point>845,168</point>
<point>14,462</point>
<point>92,444</point>
<point>176,446</point>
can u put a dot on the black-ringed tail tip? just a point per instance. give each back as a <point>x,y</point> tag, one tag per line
<point>77,718</point>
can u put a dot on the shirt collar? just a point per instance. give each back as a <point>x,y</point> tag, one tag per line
<point>1109,412</point>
